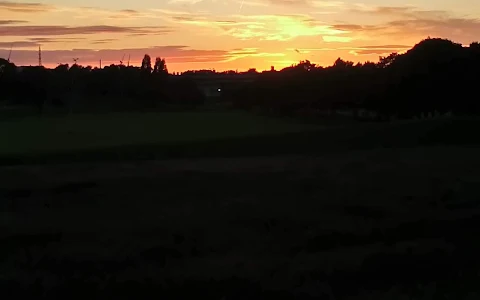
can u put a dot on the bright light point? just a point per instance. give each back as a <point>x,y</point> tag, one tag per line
<point>219,90</point>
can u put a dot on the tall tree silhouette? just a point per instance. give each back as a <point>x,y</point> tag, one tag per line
<point>160,66</point>
<point>147,63</point>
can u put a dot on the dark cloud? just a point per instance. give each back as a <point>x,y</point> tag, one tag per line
<point>408,22</point>
<point>66,30</point>
<point>129,11</point>
<point>408,12</point>
<point>379,50</point>
<point>289,2</point>
<point>18,44</point>
<point>185,18</point>
<point>199,19</point>
<point>461,30</point>
<point>25,7</point>
<point>139,34</point>
<point>126,13</point>
<point>35,42</point>
<point>386,47</point>
<point>309,3</point>
<point>173,54</point>
<point>103,41</point>
<point>348,27</point>
<point>226,22</point>
<point>373,51</point>
<point>54,40</point>
<point>10,22</point>
<point>362,29</point>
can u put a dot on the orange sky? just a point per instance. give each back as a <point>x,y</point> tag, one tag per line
<point>229,34</point>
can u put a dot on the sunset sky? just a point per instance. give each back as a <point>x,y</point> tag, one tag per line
<point>227,34</point>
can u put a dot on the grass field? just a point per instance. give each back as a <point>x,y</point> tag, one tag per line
<point>251,208</point>
<point>98,131</point>
<point>375,224</point>
<point>134,136</point>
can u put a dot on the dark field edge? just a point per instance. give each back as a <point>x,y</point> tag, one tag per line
<point>362,136</point>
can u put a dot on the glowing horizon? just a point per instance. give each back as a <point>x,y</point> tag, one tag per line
<point>227,35</point>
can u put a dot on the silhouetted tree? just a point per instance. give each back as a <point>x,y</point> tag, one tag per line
<point>340,63</point>
<point>386,61</point>
<point>147,63</point>
<point>160,66</point>
<point>436,75</point>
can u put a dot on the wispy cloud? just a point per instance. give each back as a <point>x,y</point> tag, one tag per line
<point>123,14</point>
<point>11,22</point>
<point>88,56</point>
<point>103,41</point>
<point>311,3</point>
<point>18,44</point>
<point>265,27</point>
<point>35,42</point>
<point>283,28</point>
<point>173,54</point>
<point>360,50</point>
<point>404,12</point>
<point>249,52</point>
<point>258,3</point>
<point>412,23</point>
<point>67,30</point>
<point>22,7</point>
<point>378,49</point>
<point>328,4</point>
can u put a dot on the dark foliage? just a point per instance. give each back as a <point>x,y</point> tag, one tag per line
<point>436,75</point>
<point>79,88</point>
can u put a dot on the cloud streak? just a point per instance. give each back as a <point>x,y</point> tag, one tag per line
<point>265,27</point>
<point>35,42</point>
<point>173,54</point>
<point>21,7</point>
<point>412,23</point>
<point>80,30</point>
<point>11,22</point>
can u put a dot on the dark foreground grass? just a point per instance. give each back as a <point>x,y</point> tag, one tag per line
<point>148,136</point>
<point>371,224</point>
<point>279,210</point>
<point>89,132</point>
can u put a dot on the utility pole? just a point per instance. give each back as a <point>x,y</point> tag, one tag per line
<point>39,56</point>
<point>10,54</point>
<point>100,64</point>
<point>128,63</point>
<point>72,88</point>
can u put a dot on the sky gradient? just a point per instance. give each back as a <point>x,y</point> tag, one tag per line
<point>227,34</point>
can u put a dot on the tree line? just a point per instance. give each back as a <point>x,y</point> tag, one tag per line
<point>114,87</point>
<point>435,76</point>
